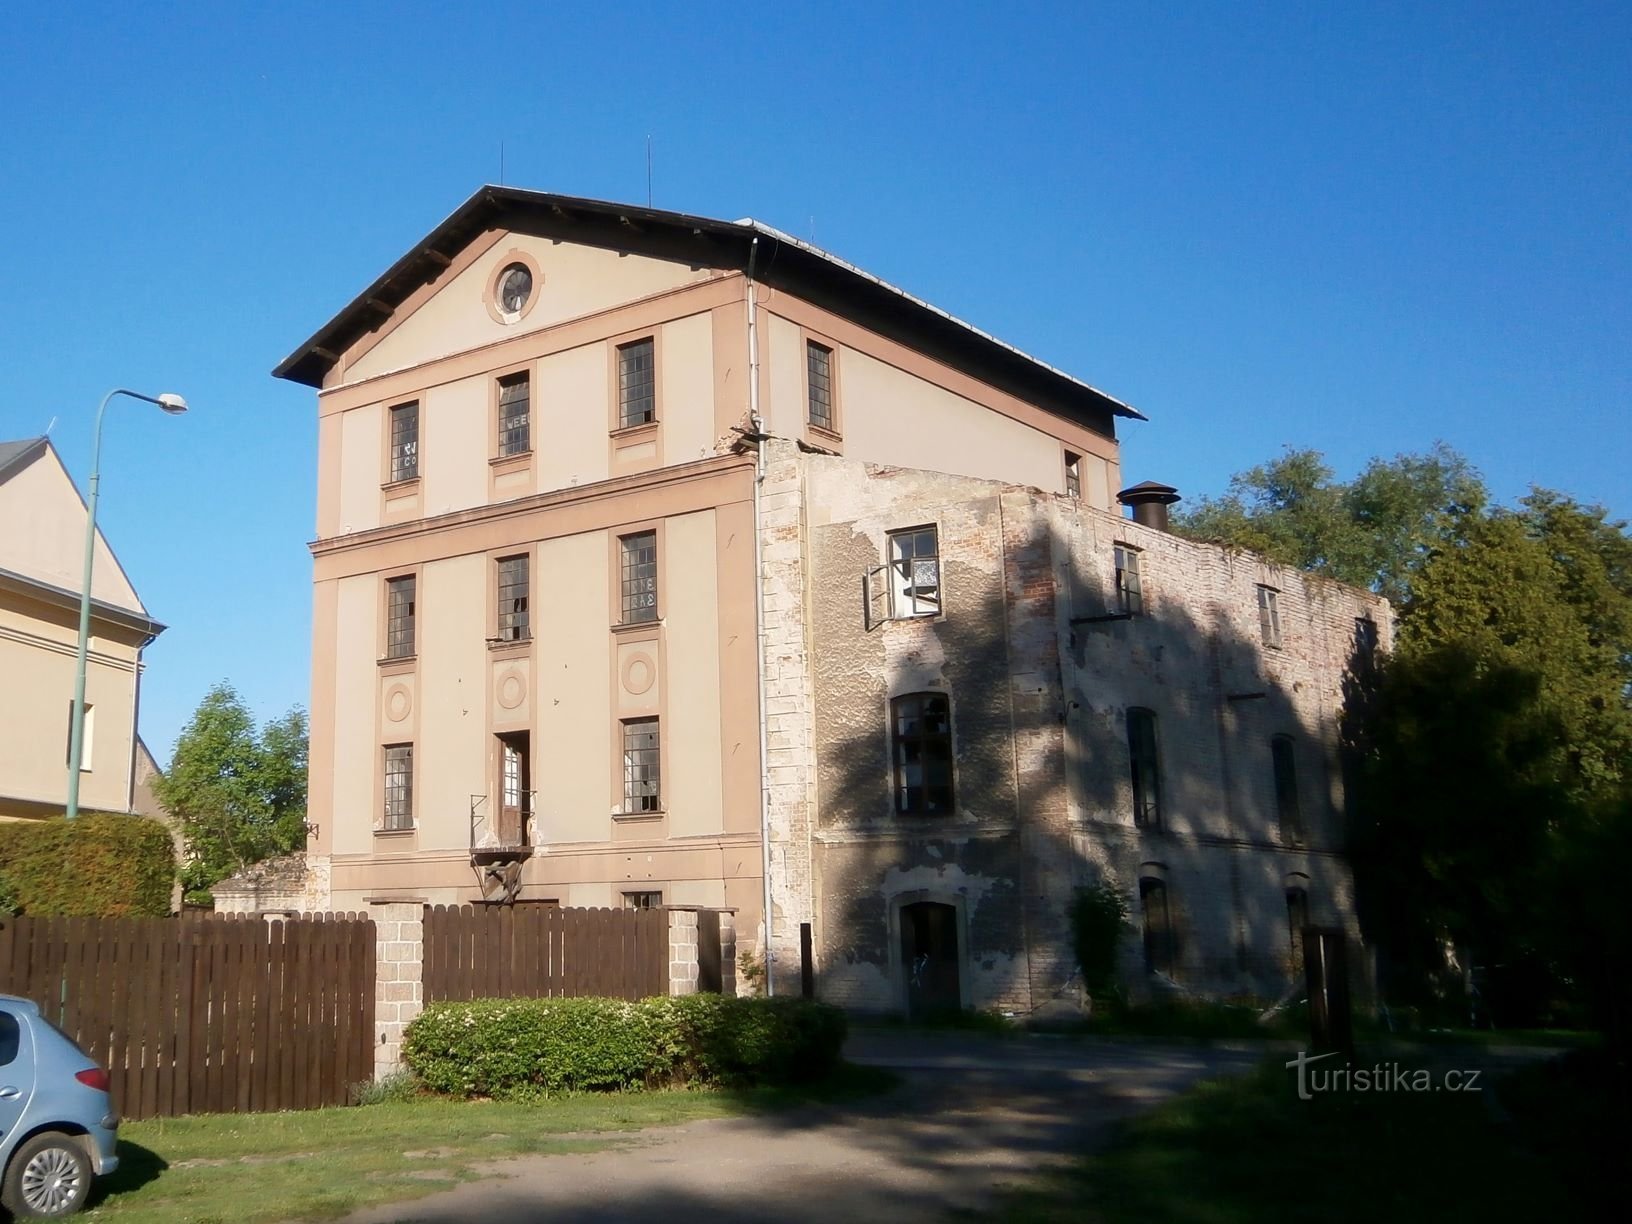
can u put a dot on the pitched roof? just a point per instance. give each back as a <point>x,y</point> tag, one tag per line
<point>749,246</point>
<point>15,456</point>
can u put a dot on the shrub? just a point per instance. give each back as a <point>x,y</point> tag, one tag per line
<point>515,1048</point>
<point>1099,916</point>
<point>99,866</point>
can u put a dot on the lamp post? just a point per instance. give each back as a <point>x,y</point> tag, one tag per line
<point>175,406</point>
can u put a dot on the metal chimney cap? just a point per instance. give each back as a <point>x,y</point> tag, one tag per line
<point>1147,493</point>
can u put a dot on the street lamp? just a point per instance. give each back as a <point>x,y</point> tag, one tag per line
<point>175,406</point>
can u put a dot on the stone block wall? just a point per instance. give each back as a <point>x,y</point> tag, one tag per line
<point>399,959</point>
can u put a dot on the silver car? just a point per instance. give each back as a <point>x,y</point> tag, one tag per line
<point>58,1130</point>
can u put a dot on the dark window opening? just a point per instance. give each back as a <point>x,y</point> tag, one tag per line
<point>399,786</point>
<point>514,621</point>
<point>1269,616</point>
<point>819,367</point>
<point>642,900</point>
<point>1073,475</point>
<point>515,789</point>
<point>1158,923</point>
<point>515,434</point>
<point>404,442</point>
<point>922,732</point>
<point>1130,596</point>
<point>1287,809</point>
<point>1144,769</point>
<point>399,617</point>
<point>639,577</point>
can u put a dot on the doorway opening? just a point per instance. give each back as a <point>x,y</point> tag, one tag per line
<point>515,790</point>
<point>929,958</point>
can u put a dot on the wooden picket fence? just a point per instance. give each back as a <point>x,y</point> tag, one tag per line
<point>519,952</point>
<point>209,1013</point>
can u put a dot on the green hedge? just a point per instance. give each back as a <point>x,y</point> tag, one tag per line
<point>97,866</point>
<point>505,1048</point>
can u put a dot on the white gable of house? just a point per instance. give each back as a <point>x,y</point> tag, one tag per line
<point>575,280</point>
<point>42,534</point>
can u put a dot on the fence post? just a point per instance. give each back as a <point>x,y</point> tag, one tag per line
<point>683,972</point>
<point>399,962</point>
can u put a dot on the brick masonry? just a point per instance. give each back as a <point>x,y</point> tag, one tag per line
<point>399,955</point>
<point>1040,691</point>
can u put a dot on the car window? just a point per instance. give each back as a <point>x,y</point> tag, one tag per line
<point>11,1037</point>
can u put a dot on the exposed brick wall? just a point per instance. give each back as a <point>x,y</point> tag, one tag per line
<point>1039,704</point>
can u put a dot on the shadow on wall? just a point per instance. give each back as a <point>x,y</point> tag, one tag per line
<point>1037,669</point>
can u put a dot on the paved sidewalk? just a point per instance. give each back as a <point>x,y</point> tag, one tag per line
<point>973,1114</point>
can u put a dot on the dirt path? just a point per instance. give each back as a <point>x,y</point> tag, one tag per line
<point>973,1115</point>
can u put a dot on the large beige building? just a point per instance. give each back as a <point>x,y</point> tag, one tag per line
<point>575,636</point>
<point>42,550</point>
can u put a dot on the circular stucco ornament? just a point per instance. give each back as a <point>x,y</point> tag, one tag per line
<point>512,690</point>
<point>399,703</point>
<point>639,674</point>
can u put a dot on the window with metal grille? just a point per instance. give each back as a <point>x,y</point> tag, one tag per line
<point>921,726</point>
<point>639,577</point>
<point>915,573</point>
<point>514,625</point>
<point>515,401</point>
<point>399,786</point>
<point>1130,595</point>
<point>1073,475</point>
<point>641,766</point>
<point>1144,768</point>
<point>637,383</point>
<point>1269,616</point>
<point>404,442</point>
<point>819,367</point>
<point>642,900</point>
<point>1287,809</point>
<point>1158,924</point>
<point>399,617</point>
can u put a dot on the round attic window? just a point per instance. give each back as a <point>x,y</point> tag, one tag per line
<point>515,288</point>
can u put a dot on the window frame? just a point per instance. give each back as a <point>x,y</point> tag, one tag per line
<point>820,344</point>
<point>393,583</point>
<point>403,453</point>
<point>1130,598</point>
<point>1160,945</point>
<point>504,440</point>
<point>402,820</point>
<point>1146,783</point>
<point>892,565</point>
<point>944,744</point>
<point>620,421</point>
<point>1073,475</point>
<point>1283,753</point>
<point>504,621</point>
<point>1269,615</point>
<point>631,770</point>
<point>627,573</point>
<point>653,899</point>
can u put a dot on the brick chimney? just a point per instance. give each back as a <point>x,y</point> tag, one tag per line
<point>1149,502</point>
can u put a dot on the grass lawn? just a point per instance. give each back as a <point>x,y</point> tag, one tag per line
<point>1249,1149</point>
<point>315,1165</point>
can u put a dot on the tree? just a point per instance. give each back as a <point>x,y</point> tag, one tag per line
<point>1373,532</point>
<point>240,797</point>
<point>1495,744</point>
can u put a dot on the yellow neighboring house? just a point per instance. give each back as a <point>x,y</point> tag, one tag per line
<point>42,550</point>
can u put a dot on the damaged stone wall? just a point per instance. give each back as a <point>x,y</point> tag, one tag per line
<point>1040,679</point>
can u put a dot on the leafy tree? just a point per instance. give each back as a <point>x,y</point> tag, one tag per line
<point>1373,532</point>
<point>240,796</point>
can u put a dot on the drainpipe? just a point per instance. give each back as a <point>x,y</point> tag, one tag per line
<point>759,610</point>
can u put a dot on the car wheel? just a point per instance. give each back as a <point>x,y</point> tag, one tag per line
<point>49,1176</point>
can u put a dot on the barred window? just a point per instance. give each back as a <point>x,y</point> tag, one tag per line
<point>1130,595</point>
<point>639,577</point>
<point>1145,769</point>
<point>915,573</point>
<point>515,436</point>
<point>1269,616</point>
<point>819,365</point>
<point>641,768</point>
<point>922,733</point>
<point>404,442</point>
<point>399,786</point>
<point>399,617</point>
<point>637,382</point>
<point>1073,475</point>
<point>514,625</point>
<point>642,900</point>
<point>1287,809</point>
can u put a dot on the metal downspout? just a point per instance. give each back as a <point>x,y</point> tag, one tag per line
<point>759,613</point>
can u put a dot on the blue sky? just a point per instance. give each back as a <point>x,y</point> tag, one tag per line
<point>1359,228</point>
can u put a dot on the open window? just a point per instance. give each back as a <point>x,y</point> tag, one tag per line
<point>515,789</point>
